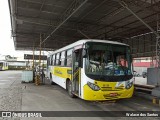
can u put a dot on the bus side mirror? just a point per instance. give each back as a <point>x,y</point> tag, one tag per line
<point>84,53</point>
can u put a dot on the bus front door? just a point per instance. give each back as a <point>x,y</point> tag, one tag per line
<point>76,70</point>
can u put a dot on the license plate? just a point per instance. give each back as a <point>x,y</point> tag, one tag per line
<point>113,94</point>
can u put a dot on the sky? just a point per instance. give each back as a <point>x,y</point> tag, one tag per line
<point>6,41</point>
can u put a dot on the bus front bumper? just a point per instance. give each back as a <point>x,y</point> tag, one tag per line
<point>92,95</point>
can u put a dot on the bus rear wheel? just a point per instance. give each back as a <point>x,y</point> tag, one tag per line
<point>69,88</point>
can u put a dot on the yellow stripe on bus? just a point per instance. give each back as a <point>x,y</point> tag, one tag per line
<point>63,72</point>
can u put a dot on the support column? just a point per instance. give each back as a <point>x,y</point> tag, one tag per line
<point>33,59</point>
<point>33,67</point>
<point>38,76</point>
<point>40,47</point>
<point>156,91</point>
<point>158,42</point>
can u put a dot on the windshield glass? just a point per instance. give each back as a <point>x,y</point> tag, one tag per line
<point>108,59</point>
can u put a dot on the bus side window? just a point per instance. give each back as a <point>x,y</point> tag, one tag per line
<point>65,61</point>
<point>62,59</point>
<point>53,60</point>
<point>59,61</point>
<point>48,61</point>
<point>69,58</point>
<point>57,58</point>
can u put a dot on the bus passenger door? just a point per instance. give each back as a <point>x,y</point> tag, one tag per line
<point>76,70</point>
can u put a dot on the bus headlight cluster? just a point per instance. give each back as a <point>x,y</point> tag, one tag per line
<point>93,86</point>
<point>129,85</point>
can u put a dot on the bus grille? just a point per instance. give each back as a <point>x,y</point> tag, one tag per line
<point>111,97</point>
<point>119,88</point>
<point>111,89</point>
<point>106,88</point>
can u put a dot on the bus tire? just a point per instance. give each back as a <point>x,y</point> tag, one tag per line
<point>69,89</point>
<point>52,83</point>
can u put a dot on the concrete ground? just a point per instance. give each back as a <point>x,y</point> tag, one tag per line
<point>17,96</point>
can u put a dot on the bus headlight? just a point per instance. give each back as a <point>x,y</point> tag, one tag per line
<point>129,85</point>
<point>93,86</point>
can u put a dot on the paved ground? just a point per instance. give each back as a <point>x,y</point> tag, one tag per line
<point>15,96</point>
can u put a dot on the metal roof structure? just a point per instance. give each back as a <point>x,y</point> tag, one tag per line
<point>61,22</point>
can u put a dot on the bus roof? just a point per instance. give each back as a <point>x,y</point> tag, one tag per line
<point>84,41</point>
<point>2,61</point>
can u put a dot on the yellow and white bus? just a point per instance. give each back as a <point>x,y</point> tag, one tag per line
<point>3,65</point>
<point>93,70</point>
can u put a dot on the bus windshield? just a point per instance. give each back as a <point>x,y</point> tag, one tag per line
<point>107,61</point>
